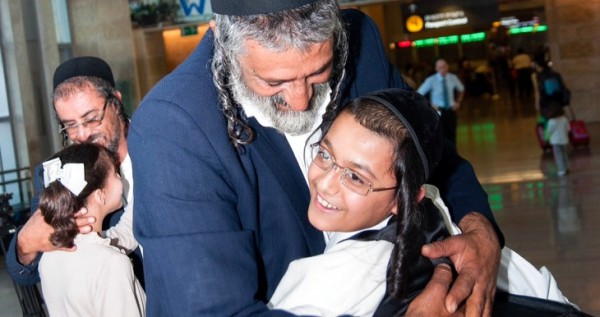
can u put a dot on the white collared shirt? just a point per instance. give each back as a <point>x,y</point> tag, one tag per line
<point>121,234</point>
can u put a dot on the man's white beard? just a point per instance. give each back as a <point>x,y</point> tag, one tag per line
<point>285,121</point>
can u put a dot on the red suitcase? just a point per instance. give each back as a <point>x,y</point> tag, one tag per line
<point>579,134</point>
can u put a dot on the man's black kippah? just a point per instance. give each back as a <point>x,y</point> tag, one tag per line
<point>83,66</point>
<point>245,7</point>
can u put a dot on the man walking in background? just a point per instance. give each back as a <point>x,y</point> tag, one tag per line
<point>446,94</point>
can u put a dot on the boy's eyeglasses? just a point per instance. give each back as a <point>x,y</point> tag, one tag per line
<point>350,179</point>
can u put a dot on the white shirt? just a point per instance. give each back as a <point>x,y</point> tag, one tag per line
<point>95,280</point>
<point>121,234</point>
<point>434,85</point>
<point>350,277</point>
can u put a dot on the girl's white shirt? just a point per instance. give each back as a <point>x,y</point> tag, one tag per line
<point>95,280</point>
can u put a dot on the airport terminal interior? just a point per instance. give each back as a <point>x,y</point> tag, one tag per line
<point>552,220</point>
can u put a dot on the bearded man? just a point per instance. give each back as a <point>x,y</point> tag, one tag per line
<point>89,109</point>
<point>220,168</point>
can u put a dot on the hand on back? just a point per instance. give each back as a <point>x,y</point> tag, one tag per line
<point>34,237</point>
<point>476,257</point>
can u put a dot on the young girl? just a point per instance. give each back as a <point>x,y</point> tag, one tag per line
<point>557,134</point>
<point>368,193</point>
<point>96,279</point>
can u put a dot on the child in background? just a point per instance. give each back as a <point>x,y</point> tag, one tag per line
<point>368,194</point>
<point>96,279</point>
<point>557,134</point>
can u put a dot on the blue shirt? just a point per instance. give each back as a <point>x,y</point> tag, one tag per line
<point>433,85</point>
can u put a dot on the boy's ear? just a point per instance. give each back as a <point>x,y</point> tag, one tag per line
<point>212,24</point>
<point>421,194</point>
<point>420,197</point>
<point>395,208</point>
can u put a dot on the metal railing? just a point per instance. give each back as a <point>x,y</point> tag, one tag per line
<point>24,192</point>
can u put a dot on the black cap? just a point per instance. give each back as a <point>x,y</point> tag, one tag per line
<point>245,7</point>
<point>420,119</point>
<point>83,66</point>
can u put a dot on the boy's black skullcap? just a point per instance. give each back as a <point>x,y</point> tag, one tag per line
<point>83,66</point>
<point>245,7</point>
<point>420,119</point>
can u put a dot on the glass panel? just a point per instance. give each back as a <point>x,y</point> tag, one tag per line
<point>7,153</point>
<point>9,181</point>
<point>3,97</point>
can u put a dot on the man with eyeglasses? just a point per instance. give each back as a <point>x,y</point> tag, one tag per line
<point>89,109</point>
<point>218,149</point>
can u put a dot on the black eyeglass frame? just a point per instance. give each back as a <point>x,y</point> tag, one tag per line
<point>64,130</point>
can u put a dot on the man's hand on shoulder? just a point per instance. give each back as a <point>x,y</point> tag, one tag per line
<point>34,237</point>
<point>476,257</point>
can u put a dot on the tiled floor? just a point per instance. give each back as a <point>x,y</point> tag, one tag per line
<point>9,305</point>
<point>552,221</point>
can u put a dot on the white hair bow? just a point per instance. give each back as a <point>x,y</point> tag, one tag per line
<point>71,175</point>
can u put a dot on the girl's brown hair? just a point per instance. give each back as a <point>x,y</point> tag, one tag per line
<point>58,204</point>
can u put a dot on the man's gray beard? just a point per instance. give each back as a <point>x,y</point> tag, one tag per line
<point>285,121</point>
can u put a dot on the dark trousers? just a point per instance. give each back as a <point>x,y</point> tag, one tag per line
<point>448,121</point>
<point>524,82</point>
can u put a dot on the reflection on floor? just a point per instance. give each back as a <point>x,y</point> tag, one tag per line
<point>552,221</point>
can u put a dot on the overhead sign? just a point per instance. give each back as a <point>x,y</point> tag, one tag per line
<point>445,19</point>
<point>424,15</point>
<point>194,10</point>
